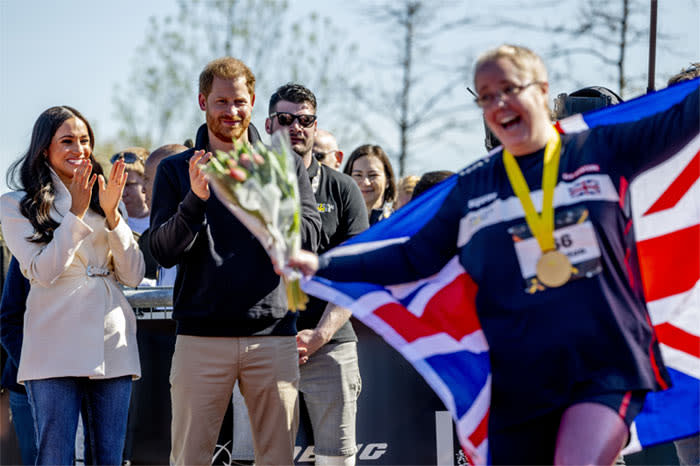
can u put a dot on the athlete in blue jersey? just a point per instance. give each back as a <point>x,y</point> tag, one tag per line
<point>543,227</point>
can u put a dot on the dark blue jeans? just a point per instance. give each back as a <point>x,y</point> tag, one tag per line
<point>56,404</point>
<point>24,426</point>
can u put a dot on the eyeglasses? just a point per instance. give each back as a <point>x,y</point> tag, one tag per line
<point>511,90</point>
<point>129,157</point>
<point>286,119</point>
<point>321,155</point>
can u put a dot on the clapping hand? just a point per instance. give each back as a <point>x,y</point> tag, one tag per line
<point>81,189</point>
<point>198,179</point>
<point>111,192</point>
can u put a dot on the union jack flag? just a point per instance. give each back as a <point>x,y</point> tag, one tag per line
<point>433,322</point>
<point>584,187</point>
<point>666,216</point>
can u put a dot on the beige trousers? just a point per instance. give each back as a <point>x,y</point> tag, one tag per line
<point>203,373</point>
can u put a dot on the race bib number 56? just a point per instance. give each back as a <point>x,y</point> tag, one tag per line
<point>573,236</point>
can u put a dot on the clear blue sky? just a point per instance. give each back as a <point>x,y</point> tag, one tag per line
<point>74,52</point>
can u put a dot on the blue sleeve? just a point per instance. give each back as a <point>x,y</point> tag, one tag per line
<point>12,308</point>
<point>421,255</point>
<point>640,145</point>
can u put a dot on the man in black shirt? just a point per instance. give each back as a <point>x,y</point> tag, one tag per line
<point>330,378</point>
<point>230,306</point>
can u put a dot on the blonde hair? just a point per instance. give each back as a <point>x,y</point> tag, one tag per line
<point>523,58</point>
<point>407,184</point>
<point>693,71</point>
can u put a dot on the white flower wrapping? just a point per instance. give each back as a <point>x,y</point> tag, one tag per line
<point>259,186</point>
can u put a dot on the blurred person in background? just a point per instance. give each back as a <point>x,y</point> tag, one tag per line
<point>164,276</point>
<point>371,169</point>
<point>326,149</point>
<point>330,381</point>
<point>691,72</point>
<point>430,179</point>
<point>134,196</point>
<point>404,191</point>
<point>12,308</point>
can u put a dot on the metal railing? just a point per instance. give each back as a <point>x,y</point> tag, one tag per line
<point>151,303</point>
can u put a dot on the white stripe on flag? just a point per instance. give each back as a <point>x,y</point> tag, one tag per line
<point>634,445</point>
<point>351,249</point>
<point>683,215</point>
<point>326,293</point>
<point>680,361</point>
<point>446,276</point>
<point>650,185</point>
<point>573,124</point>
<point>470,420</point>
<point>442,343</point>
<point>679,306</point>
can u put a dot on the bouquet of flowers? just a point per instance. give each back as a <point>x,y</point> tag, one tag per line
<point>259,186</point>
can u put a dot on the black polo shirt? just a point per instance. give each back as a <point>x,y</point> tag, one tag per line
<point>343,215</point>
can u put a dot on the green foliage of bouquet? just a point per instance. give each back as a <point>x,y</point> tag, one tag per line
<point>259,186</point>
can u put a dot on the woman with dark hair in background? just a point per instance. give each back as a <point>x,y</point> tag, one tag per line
<point>371,169</point>
<point>64,228</point>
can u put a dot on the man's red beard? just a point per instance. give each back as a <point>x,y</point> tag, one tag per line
<point>225,133</point>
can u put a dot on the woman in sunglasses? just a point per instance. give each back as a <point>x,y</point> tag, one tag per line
<point>558,293</point>
<point>134,195</point>
<point>63,226</point>
<point>371,169</point>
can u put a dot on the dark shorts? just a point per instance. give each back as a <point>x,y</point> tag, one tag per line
<point>534,441</point>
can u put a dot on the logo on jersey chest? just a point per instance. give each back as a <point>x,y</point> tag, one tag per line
<point>584,187</point>
<point>325,208</point>
<point>582,170</point>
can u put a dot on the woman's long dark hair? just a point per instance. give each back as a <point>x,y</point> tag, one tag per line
<point>31,173</point>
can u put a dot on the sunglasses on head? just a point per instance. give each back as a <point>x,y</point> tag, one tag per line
<point>286,119</point>
<point>129,157</point>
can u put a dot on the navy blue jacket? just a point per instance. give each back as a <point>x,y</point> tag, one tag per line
<point>225,285</point>
<point>12,307</point>
<point>554,347</point>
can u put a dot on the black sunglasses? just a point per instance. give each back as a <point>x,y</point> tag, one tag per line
<point>286,119</point>
<point>129,157</point>
<point>321,155</point>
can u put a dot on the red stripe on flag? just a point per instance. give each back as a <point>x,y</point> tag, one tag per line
<point>479,434</point>
<point>678,188</point>
<point>679,339</point>
<point>624,185</point>
<point>451,310</point>
<point>670,264</point>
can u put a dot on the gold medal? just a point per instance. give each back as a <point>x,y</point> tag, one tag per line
<point>553,269</point>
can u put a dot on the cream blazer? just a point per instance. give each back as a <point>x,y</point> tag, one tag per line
<point>78,322</point>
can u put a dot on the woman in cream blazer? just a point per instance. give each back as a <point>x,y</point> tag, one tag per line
<point>79,344</point>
